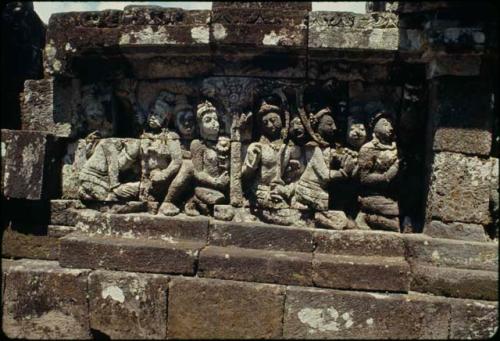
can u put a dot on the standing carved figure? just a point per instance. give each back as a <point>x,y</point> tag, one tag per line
<point>211,175</point>
<point>161,155</point>
<point>378,169</point>
<point>264,160</point>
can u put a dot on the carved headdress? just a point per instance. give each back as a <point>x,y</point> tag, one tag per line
<point>204,108</point>
<point>266,108</point>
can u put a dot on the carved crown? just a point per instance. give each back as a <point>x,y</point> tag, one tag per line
<point>266,108</point>
<point>204,108</point>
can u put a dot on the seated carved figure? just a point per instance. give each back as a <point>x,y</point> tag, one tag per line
<point>210,162</point>
<point>378,168</point>
<point>161,155</point>
<point>264,160</point>
<point>99,178</point>
<point>311,189</point>
<point>182,185</point>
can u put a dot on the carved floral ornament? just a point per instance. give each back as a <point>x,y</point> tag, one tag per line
<point>269,148</point>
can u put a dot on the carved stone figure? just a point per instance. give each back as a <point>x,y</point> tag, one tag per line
<point>161,155</point>
<point>209,155</point>
<point>378,169</point>
<point>182,185</point>
<point>264,160</point>
<point>100,176</point>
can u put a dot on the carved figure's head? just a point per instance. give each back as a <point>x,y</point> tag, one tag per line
<point>324,124</point>
<point>208,121</point>
<point>161,111</point>
<point>95,114</point>
<point>184,117</point>
<point>270,120</point>
<point>356,131</point>
<point>297,130</point>
<point>382,127</point>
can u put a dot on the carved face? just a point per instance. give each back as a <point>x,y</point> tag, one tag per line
<point>297,130</point>
<point>271,125</point>
<point>356,132</point>
<point>327,127</point>
<point>96,118</point>
<point>185,122</point>
<point>383,130</point>
<point>209,126</point>
<point>159,115</point>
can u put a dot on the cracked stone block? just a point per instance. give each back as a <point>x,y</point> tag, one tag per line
<point>127,305</point>
<point>343,30</point>
<point>361,272</point>
<point>461,231</point>
<point>312,313</point>
<point>44,301</point>
<point>451,253</point>
<point>463,283</point>
<point>127,254</point>
<point>207,308</point>
<point>461,114</point>
<point>473,319</point>
<point>261,236</point>
<point>30,164</point>
<point>359,243</point>
<point>262,28</point>
<point>459,189</point>
<point>50,106</point>
<point>256,265</point>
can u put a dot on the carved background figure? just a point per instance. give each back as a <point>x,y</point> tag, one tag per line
<point>378,168</point>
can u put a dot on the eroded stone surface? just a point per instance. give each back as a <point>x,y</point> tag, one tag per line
<point>316,313</point>
<point>206,308</point>
<point>128,305</point>
<point>43,300</point>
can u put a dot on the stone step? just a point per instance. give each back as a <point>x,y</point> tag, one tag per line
<point>78,250</point>
<point>143,225</point>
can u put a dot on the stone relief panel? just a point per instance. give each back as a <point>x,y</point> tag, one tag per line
<point>239,149</point>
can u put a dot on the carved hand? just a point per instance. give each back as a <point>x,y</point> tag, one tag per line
<point>223,179</point>
<point>133,148</point>
<point>392,171</point>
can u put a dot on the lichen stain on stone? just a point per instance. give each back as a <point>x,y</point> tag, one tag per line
<point>278,39</point>
<point>200,34</point>
<point>146,36</point>
<point>114,292</point>
<point>219,31</point>
<point>29,158</point>
<point>323,320</point>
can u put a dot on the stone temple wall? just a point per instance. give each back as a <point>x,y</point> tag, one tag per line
<point>260,170</point>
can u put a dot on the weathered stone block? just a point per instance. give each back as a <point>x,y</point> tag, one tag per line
<point>167,228</point>
<point>128,305</point>
<point>50,106</point>
<point>461,231</point>
<point>343,30</point>
<point>259,28</point>
<point>359,243</point>
<point>463,283</point>
<point>454,65</point>
<point>129,254</point>
<point>325,69</point>
<point>64,212</point>
<point>361,272</point>
<point>256,265</point>
<point>30,165</point>
<point>461,114</point>
<point>44,301</point>
<point>60,231</point>
<point>459,189</point>
<point>473,319</point>
<point>205,308</point>
<point>332,314</point>
<point>451,253</point>
<point>275,5</point>
<point>20,245</point>
<point>261,236</point>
